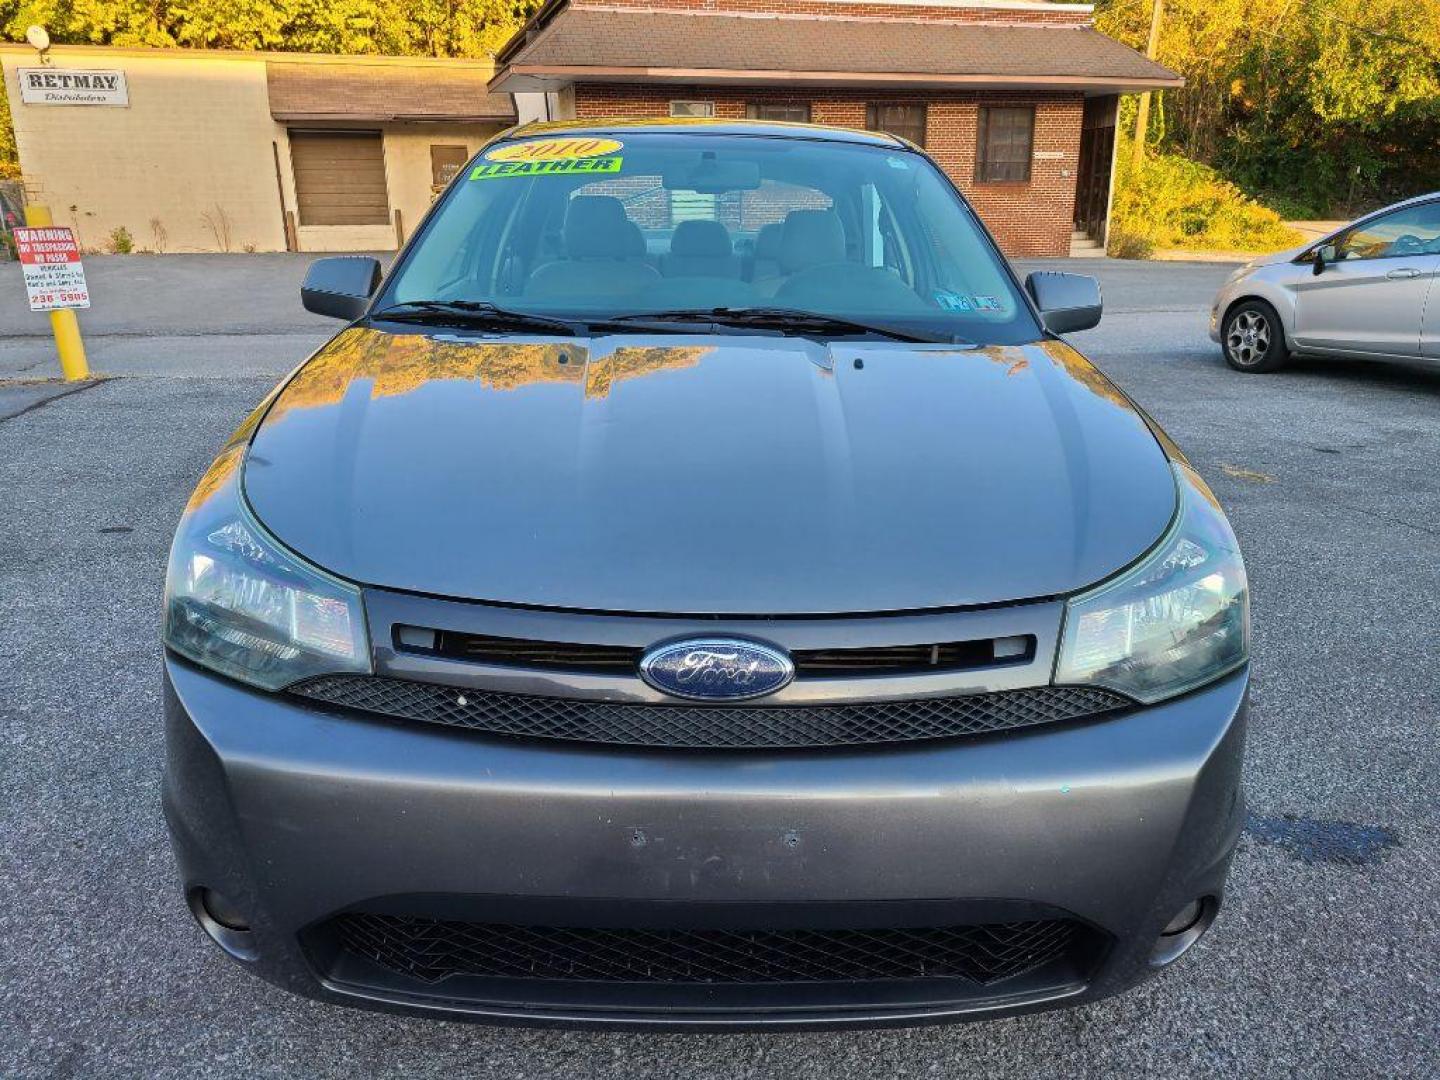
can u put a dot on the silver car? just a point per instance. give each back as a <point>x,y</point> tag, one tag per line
<point>1367,292</point>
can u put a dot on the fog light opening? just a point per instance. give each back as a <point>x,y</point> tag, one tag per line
<point>223,921</point>
<point>1184,919</point>
<point>1185,928</point>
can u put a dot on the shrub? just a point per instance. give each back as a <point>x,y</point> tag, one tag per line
<point>1173,202</point>
<point>1125,244</point>
<point>218,222</point>
<point>121,242</point>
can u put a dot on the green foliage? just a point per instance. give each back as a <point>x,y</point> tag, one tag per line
<point>9,158</point>
<point>1325,107</point>
<point>1172,202</point>
<point>121,242</point>
<point>414,28</point>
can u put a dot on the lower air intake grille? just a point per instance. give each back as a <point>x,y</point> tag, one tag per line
<point>710,726</point>
<point>431,950</point>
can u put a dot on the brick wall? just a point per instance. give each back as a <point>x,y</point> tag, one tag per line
<point>1030,218</point>
<point>1061,15</point>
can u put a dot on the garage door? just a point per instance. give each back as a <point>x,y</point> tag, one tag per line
<point>340,177</point>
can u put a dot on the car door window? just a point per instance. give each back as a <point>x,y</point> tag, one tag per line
<point>1414,230</point>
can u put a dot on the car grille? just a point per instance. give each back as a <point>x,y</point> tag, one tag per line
<point>710,726</point>
<point>431,950</point>
<point>809,663</point>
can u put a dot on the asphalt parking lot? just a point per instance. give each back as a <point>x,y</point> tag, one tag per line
<point>1324,961</point>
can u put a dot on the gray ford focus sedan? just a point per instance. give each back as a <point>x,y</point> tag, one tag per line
<point>700,588</point>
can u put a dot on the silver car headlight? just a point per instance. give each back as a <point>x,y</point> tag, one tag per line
<point>1177,620</point>
<point>237,602</point>
<point>1242,272</point>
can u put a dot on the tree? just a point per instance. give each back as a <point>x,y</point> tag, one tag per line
<point>416,28</point>
<point>1318,105</point>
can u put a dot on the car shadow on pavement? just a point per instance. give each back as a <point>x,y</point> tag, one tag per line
<point>1398,374</point>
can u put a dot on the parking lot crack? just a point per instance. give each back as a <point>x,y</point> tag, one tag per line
<point>19,397</point>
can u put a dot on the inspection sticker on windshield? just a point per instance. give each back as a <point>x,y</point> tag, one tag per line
<point>549,157</point>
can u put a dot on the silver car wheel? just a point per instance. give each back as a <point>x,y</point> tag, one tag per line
<point>1248,339</point>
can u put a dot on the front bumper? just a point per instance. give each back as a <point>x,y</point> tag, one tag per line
<point>297,815</point>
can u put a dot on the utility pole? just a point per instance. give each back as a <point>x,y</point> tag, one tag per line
<point>1142,114</point>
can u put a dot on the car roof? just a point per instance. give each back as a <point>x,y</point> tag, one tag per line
<point>1413,201</point>
<point>687,126</point>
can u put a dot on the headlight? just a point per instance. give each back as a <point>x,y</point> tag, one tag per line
<point>1179,619</point>
<point>237,602</point>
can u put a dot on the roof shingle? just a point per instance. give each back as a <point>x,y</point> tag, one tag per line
<point>360,91</point>
<point>661,45</point>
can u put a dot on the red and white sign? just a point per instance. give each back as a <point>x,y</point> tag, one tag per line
<point>54,277</point>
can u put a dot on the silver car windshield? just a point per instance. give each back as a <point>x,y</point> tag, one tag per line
<point>641,223</point>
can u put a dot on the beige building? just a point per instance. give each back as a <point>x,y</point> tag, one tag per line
<point>199,150</point>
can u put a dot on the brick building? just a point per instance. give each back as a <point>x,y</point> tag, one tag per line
<point>1016,99</point>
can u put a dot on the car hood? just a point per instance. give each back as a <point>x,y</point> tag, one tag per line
<point>1278,258</point>
<point>730,474</point>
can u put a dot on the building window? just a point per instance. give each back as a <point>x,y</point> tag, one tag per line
<point>1004,146</point>
<point>906,121</point>
<point>794,112</point>
<point>340,177</point>
<point>692,109</point>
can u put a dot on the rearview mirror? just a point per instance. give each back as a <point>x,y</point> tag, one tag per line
<point>341,286</point>
<point>711,177</point>
<point>1325,253</point>
<point>1067,302</point>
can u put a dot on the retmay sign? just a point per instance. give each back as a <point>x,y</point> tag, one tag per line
<point>69,86</point>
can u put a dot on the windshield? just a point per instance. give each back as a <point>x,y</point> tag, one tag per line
<point>644,223</point>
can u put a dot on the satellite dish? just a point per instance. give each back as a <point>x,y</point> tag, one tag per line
<point>38,37</point>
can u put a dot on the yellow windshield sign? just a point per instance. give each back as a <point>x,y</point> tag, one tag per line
<point>555,150</point>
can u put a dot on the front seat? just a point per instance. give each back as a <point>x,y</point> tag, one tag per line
<point>604,255</point>
<point>701,249</point>
<point>810,238</point>
<point>767,252</point>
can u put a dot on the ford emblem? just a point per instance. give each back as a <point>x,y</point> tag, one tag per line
<point>716,669</point>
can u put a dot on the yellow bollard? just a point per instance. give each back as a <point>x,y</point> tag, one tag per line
<point>63,323</point>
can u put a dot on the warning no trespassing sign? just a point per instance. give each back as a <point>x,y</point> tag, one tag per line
<point>54,278</point>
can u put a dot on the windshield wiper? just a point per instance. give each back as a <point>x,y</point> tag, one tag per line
<point>471,313</point>
<point>793,320</point>
<point>784,320</point>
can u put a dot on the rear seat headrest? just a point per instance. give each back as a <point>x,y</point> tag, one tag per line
<point>767,240</point>
<point>701,239</point>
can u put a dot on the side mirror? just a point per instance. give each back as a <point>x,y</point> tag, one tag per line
<point>1067,302</point>
<point>1325,253</point>
<point>340,287</point>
